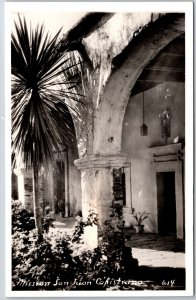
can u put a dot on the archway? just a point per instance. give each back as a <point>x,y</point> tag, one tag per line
<point>129,65</point>
<point>105,141</point>
<point>155,155</point>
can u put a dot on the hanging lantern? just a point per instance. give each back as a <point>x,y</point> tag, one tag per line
<point>144,127</point>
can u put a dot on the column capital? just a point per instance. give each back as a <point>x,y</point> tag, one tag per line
<point>23,171</point>
<point>102,161</point>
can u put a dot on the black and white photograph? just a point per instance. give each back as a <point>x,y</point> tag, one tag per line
<point>99,138</point>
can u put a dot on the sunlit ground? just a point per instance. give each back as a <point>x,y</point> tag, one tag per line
<point>154,258</point>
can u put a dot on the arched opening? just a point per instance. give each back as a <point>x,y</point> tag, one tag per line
<point>127,68</point>
<point>59,182</point>
<point>157,156</point>
<point>64,180</point>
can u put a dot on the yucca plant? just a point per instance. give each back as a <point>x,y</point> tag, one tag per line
<point>41,122</point>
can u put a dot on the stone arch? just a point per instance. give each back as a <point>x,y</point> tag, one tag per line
<point>73,122</point>
<point>72,176</point>
<point>115,96</point>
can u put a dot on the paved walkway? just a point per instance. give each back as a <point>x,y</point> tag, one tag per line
<point>151,250</point>
<point>154,250</point>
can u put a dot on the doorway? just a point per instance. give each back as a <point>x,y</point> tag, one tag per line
<point>59,186</point>
<point>166,202</point>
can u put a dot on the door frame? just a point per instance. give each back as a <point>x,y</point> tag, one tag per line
<point>177,167</point>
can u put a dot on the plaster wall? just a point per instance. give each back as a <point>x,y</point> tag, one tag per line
<point>110,39</point>
<point>143,181</point>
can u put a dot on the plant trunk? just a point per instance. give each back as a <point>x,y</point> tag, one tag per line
<point>37,210</point>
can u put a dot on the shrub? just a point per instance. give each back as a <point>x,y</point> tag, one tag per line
<point>22,220</point>
<point>62,258</point>
<point>41,263</point>
<point>47,221</point>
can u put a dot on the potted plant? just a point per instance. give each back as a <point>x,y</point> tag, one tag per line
<point>139,218</point>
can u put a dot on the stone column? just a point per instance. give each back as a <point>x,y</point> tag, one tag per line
<point>25,187</point>
<point>128,206</point>
<point>98,194</point>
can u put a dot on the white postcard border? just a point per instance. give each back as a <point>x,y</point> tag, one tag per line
<point>185,7</point>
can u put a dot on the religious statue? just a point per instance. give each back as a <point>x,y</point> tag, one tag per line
<point>165,124</point>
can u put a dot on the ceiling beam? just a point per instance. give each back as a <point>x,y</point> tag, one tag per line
<point>165,69</point>
<point>172,54</point>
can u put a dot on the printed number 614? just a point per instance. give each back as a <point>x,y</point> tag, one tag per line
<point>168,282</point>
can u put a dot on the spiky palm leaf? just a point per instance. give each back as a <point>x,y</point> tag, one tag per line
<point>41,122</point>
